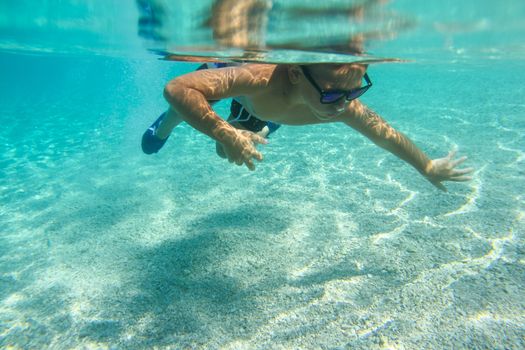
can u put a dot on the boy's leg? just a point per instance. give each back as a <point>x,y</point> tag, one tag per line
<point>157,134</point>
<point>169,122</point>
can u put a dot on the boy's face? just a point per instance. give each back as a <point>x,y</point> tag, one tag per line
<point>327,77</point>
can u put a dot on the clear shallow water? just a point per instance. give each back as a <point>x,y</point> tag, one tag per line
<point>330,243</point>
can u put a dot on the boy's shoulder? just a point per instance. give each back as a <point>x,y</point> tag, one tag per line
<point>257,68</point>
<point>256,75</point>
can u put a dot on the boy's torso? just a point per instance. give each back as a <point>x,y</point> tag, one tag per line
<point>268,109</point>
<point>271,104</point>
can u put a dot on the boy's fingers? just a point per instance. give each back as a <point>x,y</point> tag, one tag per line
<point>459,161</point>
<point>259,139</point>
<point>461,178</point>
<point>250,165</point>
<point>463,171</point>
<point>252,153</point>
<point>257,155</point>
<point>249,161</point>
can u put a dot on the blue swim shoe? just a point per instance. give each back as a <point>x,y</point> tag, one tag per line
<point>150,142</point>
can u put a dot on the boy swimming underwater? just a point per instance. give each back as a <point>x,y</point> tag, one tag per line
<point>267,95</point>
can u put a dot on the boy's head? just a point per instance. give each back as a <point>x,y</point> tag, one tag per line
<point>328,88</point>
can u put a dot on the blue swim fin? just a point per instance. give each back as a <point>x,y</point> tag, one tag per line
<point>150,142</point>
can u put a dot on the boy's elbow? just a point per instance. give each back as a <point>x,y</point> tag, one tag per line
<point>173,90</point>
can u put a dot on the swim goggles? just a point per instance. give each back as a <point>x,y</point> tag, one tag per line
<point>332,96</point>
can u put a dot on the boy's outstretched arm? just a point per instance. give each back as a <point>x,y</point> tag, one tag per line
<point>371,125</point>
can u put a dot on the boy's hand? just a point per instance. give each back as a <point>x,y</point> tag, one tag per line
<point>444,169</point>
<point>240,149</point>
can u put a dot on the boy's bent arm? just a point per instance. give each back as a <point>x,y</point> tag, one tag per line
<point>189,96</point>
<point>370,124</point>
<point>193,107</point>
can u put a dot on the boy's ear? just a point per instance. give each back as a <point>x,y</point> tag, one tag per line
<point>294,73</point>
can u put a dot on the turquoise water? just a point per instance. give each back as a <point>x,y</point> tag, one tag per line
<point>331,243</point>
